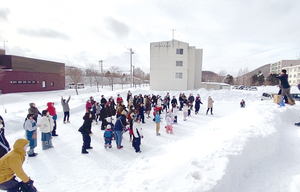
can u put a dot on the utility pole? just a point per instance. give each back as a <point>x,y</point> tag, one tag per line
<point>101,68</point>
<point>4,44</point>
<point>133,76</point>
<point>131,72</point>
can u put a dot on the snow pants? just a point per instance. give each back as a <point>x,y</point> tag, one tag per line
<point>86,141</point>
<point>136,144</point>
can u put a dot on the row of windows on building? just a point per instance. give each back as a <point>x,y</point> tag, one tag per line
<point>31,82</point>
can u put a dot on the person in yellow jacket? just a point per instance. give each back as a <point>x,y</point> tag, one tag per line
<point>11,166</point>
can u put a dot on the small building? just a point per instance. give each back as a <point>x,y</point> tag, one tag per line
<point>215,85</point>
<point>21,74</point>
<point>282,64</point>
<point>175,66</point>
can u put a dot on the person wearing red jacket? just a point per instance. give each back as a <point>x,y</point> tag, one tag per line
<point>52,112</point>
<point>119,99</point>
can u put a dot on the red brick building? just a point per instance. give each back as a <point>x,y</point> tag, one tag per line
<point>21,74</point>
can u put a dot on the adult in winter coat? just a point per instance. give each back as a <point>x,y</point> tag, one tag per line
<point>86,130</point>
<point>103,116</point>
<point>119,126</point>
<point>103,100</point>
<point>112,106</point>
<point>285,85</point>
<point>11,166</point>
<point>141,112</point>
<point>47,124</point>
<point>52,112</point>
<point>174,102</point>
<point>137,135</point>
<point>197,104</point>
<point>33,110</point>
<point>191,100</point>
<point>210,105</point>
<point>66,108</point>
<point>4,145</point>
<point>30,127</point>
<point>148,106</point>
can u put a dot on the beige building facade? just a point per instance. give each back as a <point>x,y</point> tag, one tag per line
<point>175,66</point>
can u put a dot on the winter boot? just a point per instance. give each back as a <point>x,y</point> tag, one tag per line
<point>83,151</point>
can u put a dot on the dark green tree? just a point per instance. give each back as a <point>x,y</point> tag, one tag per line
<point>229,79</point>
<point>272,80</point>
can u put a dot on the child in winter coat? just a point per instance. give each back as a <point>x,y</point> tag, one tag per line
<point>108,135</point>
<point>157,119</point>
<point>175,111</point>
<point>46,128</point>
<point>197,104</point>
<point>185,111</point>
<point>30,128</point>
<point>66,108</point>
<point>169,120</point>
<point>52,112</point>
<point>98,110</point>
<point>137,135</point>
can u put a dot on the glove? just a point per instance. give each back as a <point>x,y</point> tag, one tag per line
<point>142,137</point>
<point>27,186</point>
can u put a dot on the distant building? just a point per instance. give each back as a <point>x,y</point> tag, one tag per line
<point>175,66</point>
<point>294,74</point>
<point>279,65</point>
<point>21,74</point>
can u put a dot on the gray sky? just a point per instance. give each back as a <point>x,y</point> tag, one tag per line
<point>233,34</point>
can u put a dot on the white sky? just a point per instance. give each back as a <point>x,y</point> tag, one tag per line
<point>233,34</point>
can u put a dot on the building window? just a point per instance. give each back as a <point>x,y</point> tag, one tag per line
<point>52,84</point>
<point>179,63</point>
<point>33,82</point>
<point>24,82</point>
<point>13,82</point>
<point>295,76</point>
<point>178,75</point>
<point>179,51</point>
<point>44,84</point>
<point>20,82</point>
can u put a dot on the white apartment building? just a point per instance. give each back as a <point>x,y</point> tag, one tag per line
<point>175,66</point>
<point>282,64</point>
<point>294,74</point>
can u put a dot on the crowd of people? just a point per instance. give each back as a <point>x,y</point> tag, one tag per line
<point>116,118</point>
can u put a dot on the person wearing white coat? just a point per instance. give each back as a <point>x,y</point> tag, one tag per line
<point>46,126</point>
<point>137,135</point>
<point>210,105</point>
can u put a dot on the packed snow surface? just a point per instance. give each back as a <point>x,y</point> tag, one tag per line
<point>256,148</point>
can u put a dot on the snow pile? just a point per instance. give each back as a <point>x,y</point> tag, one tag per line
<point>236,149</point>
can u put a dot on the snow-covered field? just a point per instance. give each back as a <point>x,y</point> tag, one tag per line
<point>256,148</point>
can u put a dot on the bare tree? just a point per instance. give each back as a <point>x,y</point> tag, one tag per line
<point>222,75</point>
<point>76,75</point>
<point>94,75</point>
<point>112,73</point>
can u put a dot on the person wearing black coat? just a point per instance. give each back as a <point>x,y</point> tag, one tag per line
<point>197,104</point>
<point>103,115</point>
<point>86,130</point>
<point>4,145</point>
<point>285,86</point>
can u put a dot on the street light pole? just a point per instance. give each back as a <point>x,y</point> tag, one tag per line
<point>131,72</point>
<point>101,68</point>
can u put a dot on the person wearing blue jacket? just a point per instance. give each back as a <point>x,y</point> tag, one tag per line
<point>157,120</point>
<point>119,127</point>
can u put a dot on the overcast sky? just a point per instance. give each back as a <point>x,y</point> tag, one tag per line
<point>234,34</point>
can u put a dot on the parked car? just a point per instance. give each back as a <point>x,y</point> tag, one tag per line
<point>253,89</point>
<point>267,96</point>
<point>296,96</point>
<point>72,86</point>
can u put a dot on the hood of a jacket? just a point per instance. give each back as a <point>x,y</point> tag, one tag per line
<point>50,104</point>
<point>20,144</point>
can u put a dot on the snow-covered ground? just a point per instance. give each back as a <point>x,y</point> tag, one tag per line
<point>256,148</point>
